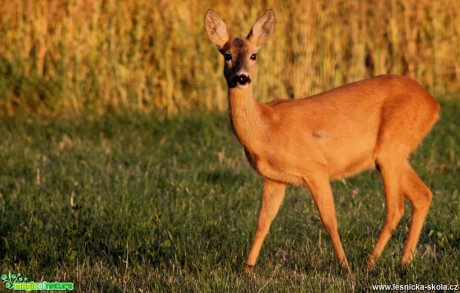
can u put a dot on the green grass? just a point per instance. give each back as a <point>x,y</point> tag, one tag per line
<point>141,203</point>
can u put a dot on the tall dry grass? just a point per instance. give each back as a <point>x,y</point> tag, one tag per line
<point>84,55</point>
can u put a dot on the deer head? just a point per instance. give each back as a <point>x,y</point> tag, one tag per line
<point>240,54</point>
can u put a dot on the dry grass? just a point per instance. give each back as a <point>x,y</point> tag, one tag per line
<point>70,56</point>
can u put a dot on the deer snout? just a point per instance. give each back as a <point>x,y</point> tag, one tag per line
<point>241,80</point>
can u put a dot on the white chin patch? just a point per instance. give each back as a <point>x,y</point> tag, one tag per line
<point>242,86</point>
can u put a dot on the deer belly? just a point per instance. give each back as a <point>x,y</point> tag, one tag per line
<point>347,154</point>
<point>349,163</point>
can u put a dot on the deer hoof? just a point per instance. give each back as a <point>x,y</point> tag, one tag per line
<point>248,270</point>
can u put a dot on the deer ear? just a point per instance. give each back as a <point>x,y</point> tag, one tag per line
<point>263,29</point>
<point>216,29</point>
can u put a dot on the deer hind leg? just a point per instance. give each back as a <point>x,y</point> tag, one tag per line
<point>273,194</point>
<point>320,188</point>
<point>420,197</point>
<point>394,199</point>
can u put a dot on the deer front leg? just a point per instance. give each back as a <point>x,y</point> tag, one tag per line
<point>273,194</point>
<point>320,188</point>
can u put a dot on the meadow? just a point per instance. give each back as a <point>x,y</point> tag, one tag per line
<point>119,171</point>
<point>137,203</point>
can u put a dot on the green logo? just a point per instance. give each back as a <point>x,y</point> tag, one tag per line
<point>19,282</point>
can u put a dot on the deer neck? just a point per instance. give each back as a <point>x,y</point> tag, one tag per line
<point>248,123</point>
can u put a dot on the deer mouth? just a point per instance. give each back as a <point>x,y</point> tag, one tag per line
<point>241,81</point>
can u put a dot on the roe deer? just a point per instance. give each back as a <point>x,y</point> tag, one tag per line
<point>373,123</point>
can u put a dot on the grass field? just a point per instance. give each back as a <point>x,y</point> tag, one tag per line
<point>99,55</point>
<point>115,197</point>
<point>138,203</point>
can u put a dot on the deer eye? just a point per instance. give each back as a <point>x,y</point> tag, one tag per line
<point>227,57</point>
<point>254,57</point>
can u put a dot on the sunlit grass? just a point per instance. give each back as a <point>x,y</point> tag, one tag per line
<point>73,56</point>
<point>139,203</point>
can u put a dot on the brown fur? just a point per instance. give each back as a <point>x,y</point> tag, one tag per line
<point>372,123</point>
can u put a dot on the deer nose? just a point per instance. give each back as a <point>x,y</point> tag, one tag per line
<point>241,79</point>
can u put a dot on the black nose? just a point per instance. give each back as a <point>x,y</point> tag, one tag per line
<point>241,79</point>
